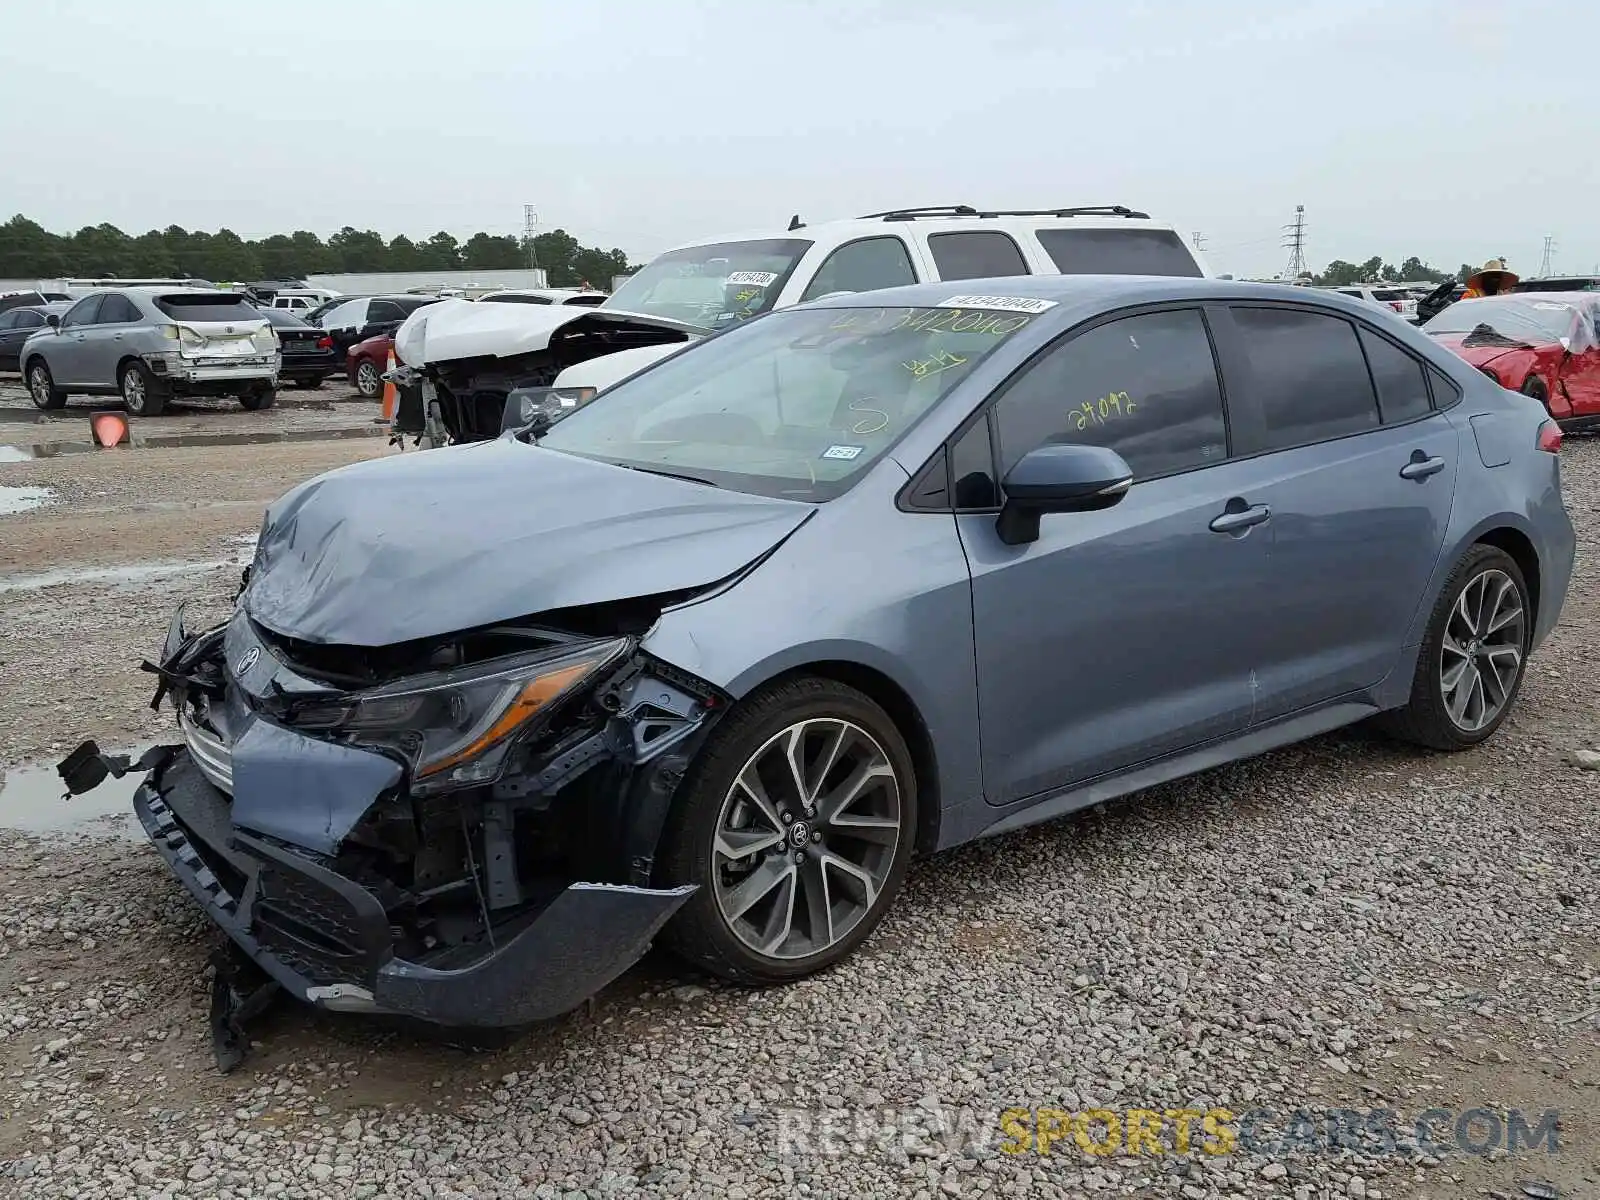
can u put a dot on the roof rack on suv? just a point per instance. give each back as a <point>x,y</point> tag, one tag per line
<point>966,210</point>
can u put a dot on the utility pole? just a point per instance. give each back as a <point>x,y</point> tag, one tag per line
<point>530,227</point>
<point>1549,250</point>
<point>1295,240</point>
<point>1199,240</point>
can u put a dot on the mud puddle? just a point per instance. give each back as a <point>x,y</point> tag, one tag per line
<point>10,454</point>
<point>23,499</point>
<point>31,801</point>
<point>134,574</point>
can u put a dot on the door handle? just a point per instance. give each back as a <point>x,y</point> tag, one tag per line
<point>1421,466</point>
<point>1237,520</point>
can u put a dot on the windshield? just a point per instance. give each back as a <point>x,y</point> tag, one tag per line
<point>712,286</point>
<point>1512,321</point>
<point>797,405</point>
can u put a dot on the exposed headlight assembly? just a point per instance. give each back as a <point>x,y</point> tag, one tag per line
<point>456,727</point>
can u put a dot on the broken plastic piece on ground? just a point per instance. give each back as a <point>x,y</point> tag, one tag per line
<point>1539,1189</point>
<point>86,768</point>
<point>240,992</point>
<point>110,428</point>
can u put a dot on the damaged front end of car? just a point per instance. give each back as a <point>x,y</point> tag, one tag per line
<point>456,829</point>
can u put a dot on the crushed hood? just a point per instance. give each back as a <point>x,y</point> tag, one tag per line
<point>455,329</point>
<point>423,545</point>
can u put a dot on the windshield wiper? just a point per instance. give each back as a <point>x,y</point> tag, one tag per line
<point>671,475</point>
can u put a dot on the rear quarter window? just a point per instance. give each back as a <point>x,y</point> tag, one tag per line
<point>1118,252</point>
<point>207,308</point>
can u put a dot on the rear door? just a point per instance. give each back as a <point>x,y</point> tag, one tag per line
<point>15,328</point>
<point>109,339</point>
<point>1580,369</point>
<point>1360,476</point>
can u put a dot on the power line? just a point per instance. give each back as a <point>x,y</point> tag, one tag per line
<point>1199,240</point>
<point>1295,240</point>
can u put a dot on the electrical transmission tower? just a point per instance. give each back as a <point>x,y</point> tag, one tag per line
<point>1545,263</point>
<point>530,227</point>
<point>1199,240</point>
<point>1295,240</point>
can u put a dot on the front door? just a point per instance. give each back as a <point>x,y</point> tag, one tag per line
<point>1123,635</point>
<point>1360,475</point>
<point>1579,376</point>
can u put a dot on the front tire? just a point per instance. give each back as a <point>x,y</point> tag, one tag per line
<point>258,399</point>
<point>1473,657</point>
<point>797,823</point>
<point>141,394</point>
<point>369,382</point>
<point>309,385</point>
<point>42,387</point>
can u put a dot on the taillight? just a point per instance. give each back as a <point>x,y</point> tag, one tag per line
<point>325,343</point>
<point>1550,438</point>
<point>1395,304</point>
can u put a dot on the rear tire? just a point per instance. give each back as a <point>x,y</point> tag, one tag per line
<point>814,864</point>
<point>142,396</point>
<point>369,380</point>
<point>258,399</point>
<point>1476,642</point>
<point>42,387</point>
<point>308,385</point>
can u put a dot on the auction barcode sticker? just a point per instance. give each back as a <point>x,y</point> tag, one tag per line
<point>1021,304</point>
<point>758,278</point>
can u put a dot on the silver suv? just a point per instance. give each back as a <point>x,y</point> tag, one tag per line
<point>150,344</point>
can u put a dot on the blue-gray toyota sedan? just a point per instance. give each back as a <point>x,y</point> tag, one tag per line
<point>713,656</point>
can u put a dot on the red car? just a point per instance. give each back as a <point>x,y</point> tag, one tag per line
<point>365,362</point>
<point>1543,344</point>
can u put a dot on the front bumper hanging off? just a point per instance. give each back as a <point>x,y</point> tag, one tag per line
<point>326,939</point>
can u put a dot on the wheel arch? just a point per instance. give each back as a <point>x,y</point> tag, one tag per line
<point>125,360</point>
<point>890,696</point>
<point>1520,547</point>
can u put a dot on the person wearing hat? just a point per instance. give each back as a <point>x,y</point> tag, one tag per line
<point>1492,279</point>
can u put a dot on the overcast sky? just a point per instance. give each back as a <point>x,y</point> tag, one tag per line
<point>1451,129</point>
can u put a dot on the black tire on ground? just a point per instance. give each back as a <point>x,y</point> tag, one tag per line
<point>42,387</point>
<point>369,380</point>
<point>259,398</point>
<point>142,395</point>
<point>698,932</point>
<point>1425,720</point>
<point>308,385</point>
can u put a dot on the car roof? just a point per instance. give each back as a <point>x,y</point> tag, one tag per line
<point>938,221</point>
<point>1077,292</point>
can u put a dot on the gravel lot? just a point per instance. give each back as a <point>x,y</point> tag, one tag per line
<point>1346,924</point>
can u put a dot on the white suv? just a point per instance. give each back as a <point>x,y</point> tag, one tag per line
<point>464,351</point>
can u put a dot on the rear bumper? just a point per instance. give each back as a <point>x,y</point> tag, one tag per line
<point>327,939</point>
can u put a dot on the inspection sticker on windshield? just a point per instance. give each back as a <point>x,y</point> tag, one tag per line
<point>1021,304</point>
<point>844,452</point>
<point>759,278</point>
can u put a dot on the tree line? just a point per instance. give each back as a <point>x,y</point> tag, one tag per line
<point>29,251</point>
<point>1413,270</point>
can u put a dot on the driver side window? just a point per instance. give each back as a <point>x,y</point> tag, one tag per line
<point>85,312</point>
<point>864,266</point>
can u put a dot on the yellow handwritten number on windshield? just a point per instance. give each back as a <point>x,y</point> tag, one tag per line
<point>939,360</point>
<point>1098,412</point>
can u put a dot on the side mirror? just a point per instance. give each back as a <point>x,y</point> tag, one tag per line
<point>1055,478</point>
<point>53,320</point>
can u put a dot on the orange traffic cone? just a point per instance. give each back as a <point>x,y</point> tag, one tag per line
<point>391,395</point>
<point>109,428</point>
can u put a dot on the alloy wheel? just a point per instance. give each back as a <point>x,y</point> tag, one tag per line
<point>806,838</point>
<point>133,391</point>
<point>1482,650</point>
<point>367,379</point>
<point>39,386</point>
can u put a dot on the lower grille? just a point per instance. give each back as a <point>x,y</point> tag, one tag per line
<point>311,927</point>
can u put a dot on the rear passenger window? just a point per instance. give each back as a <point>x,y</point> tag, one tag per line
<point>1402,386</point>
<point>1309,373</point>
<point>864,266</point>
<point>1145,386</point>
<point>1445,390</point>
<point>1134,251</point>
<point>975,255</point>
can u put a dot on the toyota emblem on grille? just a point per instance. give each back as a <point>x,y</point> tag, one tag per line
<point>249,659</point>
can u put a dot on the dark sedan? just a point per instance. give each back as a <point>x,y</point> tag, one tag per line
<point>18,324</point>
<point>308,354</point>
